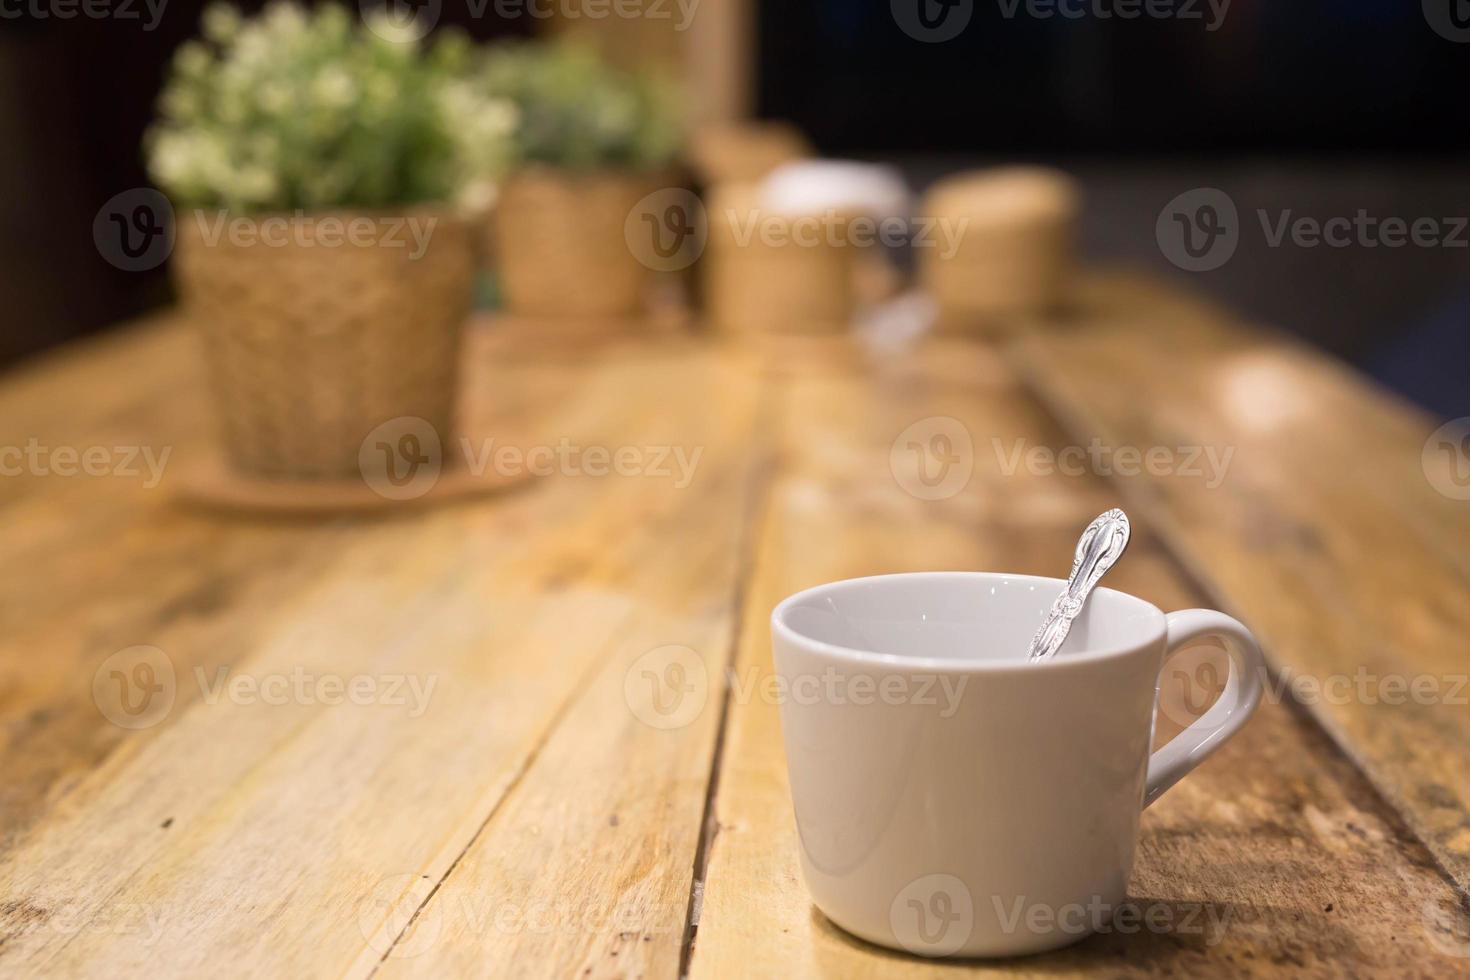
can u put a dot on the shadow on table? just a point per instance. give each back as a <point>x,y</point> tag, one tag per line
<point>1183,935</point>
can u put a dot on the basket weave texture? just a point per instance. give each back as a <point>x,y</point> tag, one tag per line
<point>560,244</point>
<point>1014,259</point>
<point>313,342</point>
<point>768,273</point>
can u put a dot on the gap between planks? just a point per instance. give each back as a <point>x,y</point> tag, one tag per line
<point>1164,531</point>
<point>577,690</point>
<point>758,484</point>
<point>753,500</point>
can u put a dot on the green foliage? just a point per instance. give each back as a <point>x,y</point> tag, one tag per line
<point>313,109</point>
<point>578,112</point>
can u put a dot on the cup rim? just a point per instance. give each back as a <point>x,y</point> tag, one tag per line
<point>937,664</point>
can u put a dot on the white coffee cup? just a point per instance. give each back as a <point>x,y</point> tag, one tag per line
<point>953,799</point>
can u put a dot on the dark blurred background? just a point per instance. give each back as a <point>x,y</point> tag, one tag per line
<point>1300,106</point>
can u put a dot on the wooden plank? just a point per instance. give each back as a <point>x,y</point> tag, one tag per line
<point>478,835</point>
<point>1274,857</point>
<point>88,562</point>
<point>1325,533</point>
<point>272,827</point>
<point>587,866</point>
<point>90,565</point>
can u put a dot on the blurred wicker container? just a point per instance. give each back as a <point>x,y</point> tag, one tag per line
<point>768,273</point>
<point>746,151</point>
<point>1015,230</point>
<point>316,338</point>
<point>559,243</point>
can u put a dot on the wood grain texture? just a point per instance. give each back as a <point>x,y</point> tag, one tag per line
<point>232,827</point>
<point>587,866</point>
<point>1275,857</point>
<point>531,799</point>
<point>1325,532</point>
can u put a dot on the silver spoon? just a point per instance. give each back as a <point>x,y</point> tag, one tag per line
<point>1100,546</point>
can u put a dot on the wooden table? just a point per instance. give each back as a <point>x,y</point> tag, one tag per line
<point>434,743</point>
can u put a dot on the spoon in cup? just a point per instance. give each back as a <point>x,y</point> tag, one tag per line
<point>1099,548</point>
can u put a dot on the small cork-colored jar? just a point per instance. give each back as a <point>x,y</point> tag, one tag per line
<point>1000,248</point>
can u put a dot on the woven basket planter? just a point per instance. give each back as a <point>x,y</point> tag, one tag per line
<point>314,337</point>
<point>559,243</point>
<point>775,274</point>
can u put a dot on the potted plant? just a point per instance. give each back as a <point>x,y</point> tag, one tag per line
<point>325,176</point>
<point>591,142</point>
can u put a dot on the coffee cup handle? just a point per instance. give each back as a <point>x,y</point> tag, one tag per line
<point>1230,711</point>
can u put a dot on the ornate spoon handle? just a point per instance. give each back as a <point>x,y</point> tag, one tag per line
<point>1100,546</point>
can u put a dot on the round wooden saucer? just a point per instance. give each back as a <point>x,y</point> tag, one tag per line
<point>214,485</point>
